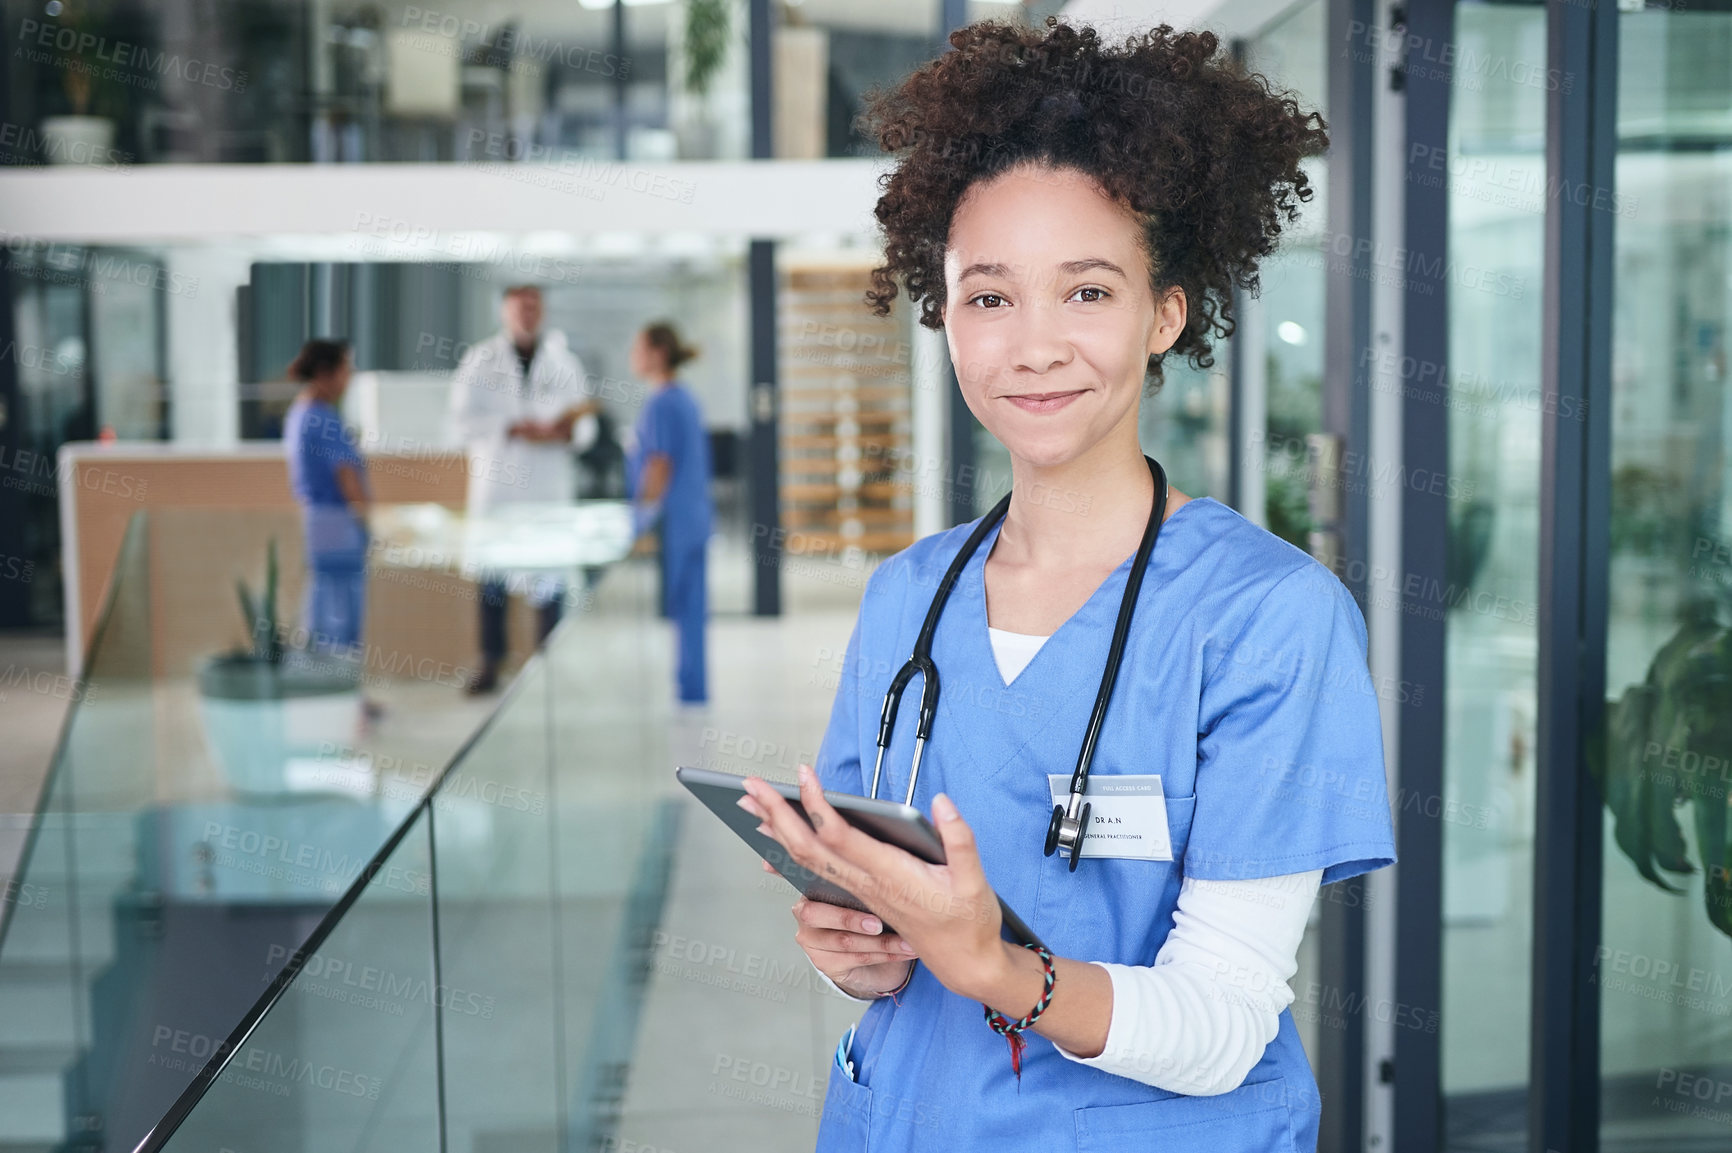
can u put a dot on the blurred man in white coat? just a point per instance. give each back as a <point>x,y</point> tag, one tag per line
<point>516,399</point>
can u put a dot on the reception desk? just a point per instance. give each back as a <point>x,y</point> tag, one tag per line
<point>214,514</point>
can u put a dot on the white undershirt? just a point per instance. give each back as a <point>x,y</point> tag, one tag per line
<point>1013,651</point>
<point>1198,1019</point>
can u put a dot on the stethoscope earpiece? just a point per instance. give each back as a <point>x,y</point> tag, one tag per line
<point>1063,831</point>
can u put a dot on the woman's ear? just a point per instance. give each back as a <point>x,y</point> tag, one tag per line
<point>1170,316</point>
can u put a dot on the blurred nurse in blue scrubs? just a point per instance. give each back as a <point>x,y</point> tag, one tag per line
<point>329,479</point>
<point>668,469</point>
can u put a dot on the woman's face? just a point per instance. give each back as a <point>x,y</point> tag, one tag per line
<point>332,383</point>
<point>647,361</point>
<point>1049,313</point>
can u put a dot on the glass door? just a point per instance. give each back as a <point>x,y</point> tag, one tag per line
<point>1494,168</point>
<point>1664,967</point>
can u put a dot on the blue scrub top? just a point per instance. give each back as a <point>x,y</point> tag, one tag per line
<point>316,443</point>
<point>670,423</point>
<point>1245,686</point>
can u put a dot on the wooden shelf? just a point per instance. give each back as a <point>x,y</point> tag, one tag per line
<point>836,355</point>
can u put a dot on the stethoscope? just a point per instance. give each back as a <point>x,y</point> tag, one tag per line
<point>1068,820</point>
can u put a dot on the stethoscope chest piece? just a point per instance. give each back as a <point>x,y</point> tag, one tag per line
<point>1067,833</point>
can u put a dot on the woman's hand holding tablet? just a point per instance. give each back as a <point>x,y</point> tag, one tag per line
<point>946,914</point>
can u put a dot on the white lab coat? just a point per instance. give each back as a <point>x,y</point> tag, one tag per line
<point>488,395</point>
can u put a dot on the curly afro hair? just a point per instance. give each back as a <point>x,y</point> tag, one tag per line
<point>1204,154</point>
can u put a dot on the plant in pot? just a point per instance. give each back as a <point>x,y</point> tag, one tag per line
<point>1667,745</point>
<point>705,39</point>
<point>267,705</point>
<point>86,134</point>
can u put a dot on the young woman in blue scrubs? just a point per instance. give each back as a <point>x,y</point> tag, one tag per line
<point>668,471</point>
<point>328,476</point>
<point>1071,214</point>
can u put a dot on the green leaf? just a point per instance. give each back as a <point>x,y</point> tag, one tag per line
<point>1667,743</point>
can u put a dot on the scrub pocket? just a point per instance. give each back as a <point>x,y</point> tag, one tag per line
<point>1254,1118</point>
<point>1180,811</point>
<point>847,1115</point>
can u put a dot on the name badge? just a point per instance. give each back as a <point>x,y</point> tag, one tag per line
<point>1127,816</point>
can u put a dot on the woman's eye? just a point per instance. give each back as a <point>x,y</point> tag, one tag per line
<point>1097,299</point>
<point>988,296</point>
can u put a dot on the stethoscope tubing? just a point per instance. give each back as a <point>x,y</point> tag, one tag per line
<point>921,664</point>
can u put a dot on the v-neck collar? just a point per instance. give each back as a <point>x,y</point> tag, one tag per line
<point>976,584</point>
<point>977,587</point>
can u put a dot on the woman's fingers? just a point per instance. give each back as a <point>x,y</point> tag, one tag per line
<point>884,946</point>
<point>833,950</point>
<point>819,915</point>
<point>802,843</point>
<point>833,929</point>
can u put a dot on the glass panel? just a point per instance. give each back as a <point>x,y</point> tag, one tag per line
<point>1283,340</point>
<point>614,814</point>
<point>493,845</point>
<point>1280,342</point>
<point>175,82</point>
<point>483,992</point>
<point>347,1058</point>
<point>59,914</point>
<point>1664,968</point>
<point>1493,164</point>
<point>205,808</point>
<point>830,56</point>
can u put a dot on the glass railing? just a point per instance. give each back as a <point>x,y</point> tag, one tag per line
<point>72,908</point>
<point>476,981</point>
<point>202,858</point>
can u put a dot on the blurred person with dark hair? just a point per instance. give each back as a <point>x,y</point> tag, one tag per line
<point>516,402</point>
<point>329,479</point>
<point>668,471</point>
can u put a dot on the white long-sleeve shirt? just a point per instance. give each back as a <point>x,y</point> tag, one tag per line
<point>1198,1019</point>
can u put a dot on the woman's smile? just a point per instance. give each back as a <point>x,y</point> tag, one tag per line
<point>1045,401</point>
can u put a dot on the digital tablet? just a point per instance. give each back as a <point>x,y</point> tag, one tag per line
<point>901,825</point>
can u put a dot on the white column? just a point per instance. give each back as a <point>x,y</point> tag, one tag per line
<point>204,346</point>
<point>1250,345</point>
<point>928,364</point>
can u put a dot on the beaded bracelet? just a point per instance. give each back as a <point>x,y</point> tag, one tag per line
<point>1012,1030</point>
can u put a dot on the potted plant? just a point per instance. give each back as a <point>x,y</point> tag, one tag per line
<point>704,44</point>
<point>86,134</point>
<point>1666,745</point>
<point>266,705</point>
